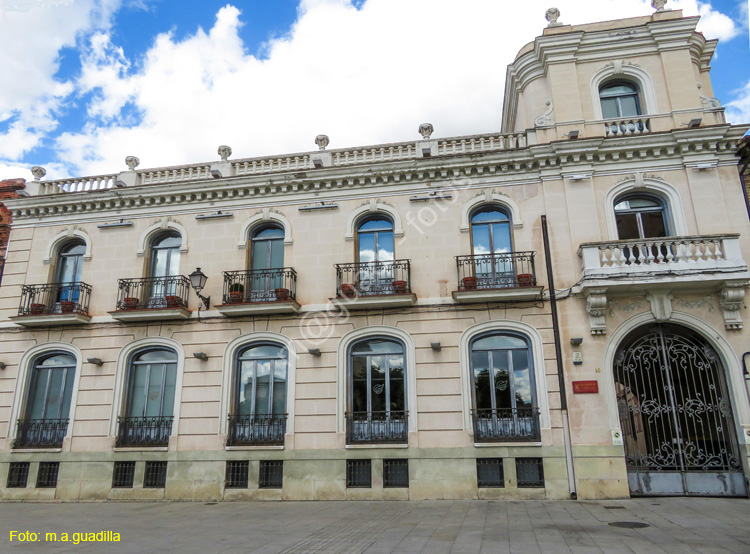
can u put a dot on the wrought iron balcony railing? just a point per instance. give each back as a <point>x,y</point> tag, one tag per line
<point>506,424</point>
<point>40,433</point>
<point>256,429</point>
<point>144,431</point>
<point>373,278</point>
<point>260,285</point>
<point>153,293</point>
<point>377,427</point>
<point>496,271</point>
<point>55,298</point>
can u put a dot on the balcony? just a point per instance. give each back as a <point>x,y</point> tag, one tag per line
<point>143,431</point>
<point>679,262</point>
<point>256,430</point>
<point>54,304</point>
<point>377,427</point>
<point>152,298</point>
<point>506,425</point>
<point>259,291</point>
<point>501,277</point>
<point>40,433</point>
<point>636,125</point>
<point>374,285</point>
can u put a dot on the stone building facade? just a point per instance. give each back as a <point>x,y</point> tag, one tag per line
<point>377,322</point>
<point>8,189</point>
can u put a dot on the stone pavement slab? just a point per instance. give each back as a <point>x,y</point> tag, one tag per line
<point>674,525</point>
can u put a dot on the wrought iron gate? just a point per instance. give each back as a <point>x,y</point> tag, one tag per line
<point>676,415</point>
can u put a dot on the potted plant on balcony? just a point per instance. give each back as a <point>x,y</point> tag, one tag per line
<point>282,295</point>
<point>469,283</point>
<point>347,290</point>
<point>525,279</point>
<point>236,293</point>
<point>172,301</point>
<point>130,303</point>
<point>67,306</point>
<point>399,287</point>
<point>37,309</point>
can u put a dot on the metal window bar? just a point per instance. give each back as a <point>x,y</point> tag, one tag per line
<point>496,271</point>
<point>123,475</point>
<point>46,477</point>
<point>373,278</point>
<point>395,473</point>
<point>271,474</point>
<point>237,474</point>
<point>18,475</point>
<point>55,298</point>
<point>530,472</point>
<point>506,424</point>
<point>490,472</point>
<point>40,433</point>
<point>260,285</point>
<point>358,474</point>
<point>144,431</point>
<point>155,476</point>
<point>256,429</point>
<point>377,427</point>
<point>153,293</point>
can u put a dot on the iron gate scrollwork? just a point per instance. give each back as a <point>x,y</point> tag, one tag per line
<point>675,414</point>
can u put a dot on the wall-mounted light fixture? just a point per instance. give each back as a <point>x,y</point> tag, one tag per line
<point>319,206</point>
<point>201,356</point>
<point>95,361</point>
<point>436,346</point>
<point>2,365</point>
<point>215,215</point>
<point>121,223</point>
<point>314,351</point>
<point>579,177</point>
<point>432,195</point>
<point>694,123</point>
<point>574,134</point>
<point>576,341</point>
<point>198,281</point>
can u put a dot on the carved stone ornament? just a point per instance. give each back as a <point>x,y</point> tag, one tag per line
<point>224,151</point>
<point>596,307</point>
<point>661,305</point>
<point>322,141</point>
<point>552,15</point>
<point>132,162</point>
<point>658,5</point>
<point>732,300</point>
<point>426,129</point>
<point>38,172</point>
<point>548,117</point>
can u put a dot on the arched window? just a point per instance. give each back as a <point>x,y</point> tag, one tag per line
<point>68,270</point>
<point>492,248</point>
<point>503,389</point>
<point>377,410</point>
<point>45,422</point>
<point>259,401</point>
<point>619,99</point>
<point>375,255</point>
<point>164,267</point>
<point>149,400</point>
<point>640,216</point>
<point>266,259</point>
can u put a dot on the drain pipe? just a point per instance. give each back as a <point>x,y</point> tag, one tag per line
<point>745,374</point>
<point>558,355</point>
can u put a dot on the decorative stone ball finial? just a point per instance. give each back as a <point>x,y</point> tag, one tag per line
<point>225,151</point>
<point>38,172</point>
<point>132,162</point>
<point>322,141</point>
<point>426,130</point>
<point>552,15</point>
<point>658,5</point>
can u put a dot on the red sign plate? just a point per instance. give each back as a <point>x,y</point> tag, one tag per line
<point>585,387</point>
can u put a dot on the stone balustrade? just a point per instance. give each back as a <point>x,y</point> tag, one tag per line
<point>79,184</point>
<point>637,125</point>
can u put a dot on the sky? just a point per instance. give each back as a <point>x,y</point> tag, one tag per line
<point>85,83</point>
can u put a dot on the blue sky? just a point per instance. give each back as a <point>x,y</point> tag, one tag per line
<point>88,82</point>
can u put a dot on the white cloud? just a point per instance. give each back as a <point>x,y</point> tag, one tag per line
<point>738,110</point>
<point>363,75</point>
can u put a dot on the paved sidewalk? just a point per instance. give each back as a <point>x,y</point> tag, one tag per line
<point>690,525</point>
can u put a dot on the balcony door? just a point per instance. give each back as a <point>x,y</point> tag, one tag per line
<point>375,255</point>
<point>492,248</point>
<point>266,261</point>
<point>164,265</point>
<point>503,388</point>
<point>68,271</point>
<point>642,217</point>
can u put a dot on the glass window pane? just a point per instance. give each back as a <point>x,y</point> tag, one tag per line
<point>265,351</point>
<point>522,378</point>
<point>277,254</point>
<point>480,236</point>
<point>137,390</point>
<point>366,248</point>
<point>627,226</point>
<point>385,246</point>
<point>53,394</point>
<point>259,255</point>
<point>245,388</point>
<point>499,342</point>
<point>269,233</point>
<point>74,248</point>
<point>38,387</point>
<point>153,400</point>
<point>169,390</point>
<point>168,241</point>
<point>57,360</point>
<point>489,215</point>
<point>503,387</point>
<point>377,383</point>
<point>629,106</point>
<point>396,371</point>
<point>376,225</point>
<point>501,237</point>
<point>653,224</point>
<point>159,263</point>
<point>482,386</point>
<point>279,387</point>
<point>377,346</point>
<point>609,108</point>
<point>262,386</point>
<point>67,393</point>
<point>69,269</point>
<point>157,356</point>
<point>359,384</point>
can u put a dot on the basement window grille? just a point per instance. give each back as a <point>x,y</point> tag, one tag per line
<point>358,474</point>
<point>530,472</point>
<point>490,472</point>
<point>271,474</point>
<point>237,474</point>
<point>156,475</point>
<point>396,473</point>
<point>123,475</point>
<point>18,475</point>
<point>46,477</point>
